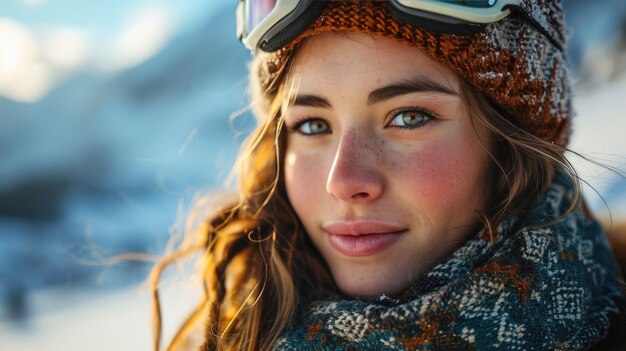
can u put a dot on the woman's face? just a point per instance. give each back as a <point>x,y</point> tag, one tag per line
<point>382,165</point>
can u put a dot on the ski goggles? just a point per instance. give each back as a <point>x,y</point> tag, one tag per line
<point>268,25</point>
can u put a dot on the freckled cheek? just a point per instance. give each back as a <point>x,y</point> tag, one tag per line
<point>440,176</point>
<point>305,180</point>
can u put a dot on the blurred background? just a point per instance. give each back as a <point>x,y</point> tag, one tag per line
<point>115,115</point>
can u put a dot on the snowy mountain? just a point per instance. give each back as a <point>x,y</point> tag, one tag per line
<point>100,165</point>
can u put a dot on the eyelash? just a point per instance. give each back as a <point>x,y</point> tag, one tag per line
<point>431,116</point>
<point>295,127</point>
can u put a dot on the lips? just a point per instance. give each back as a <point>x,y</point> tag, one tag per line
<point>363,238</point>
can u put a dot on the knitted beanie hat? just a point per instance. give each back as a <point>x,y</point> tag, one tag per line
<point>510,61</point>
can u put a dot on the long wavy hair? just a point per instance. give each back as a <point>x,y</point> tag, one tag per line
<point>259,267</point>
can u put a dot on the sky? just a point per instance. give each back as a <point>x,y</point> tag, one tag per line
<point>43,41</point>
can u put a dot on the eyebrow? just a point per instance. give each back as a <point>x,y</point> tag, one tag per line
<point>414,85</point>
<point>311,101</point>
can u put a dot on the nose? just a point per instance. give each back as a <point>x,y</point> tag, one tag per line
<point>355,175</point>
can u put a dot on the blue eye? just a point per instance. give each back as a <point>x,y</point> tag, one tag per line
<point>312,126</point>
<point>410,118</point>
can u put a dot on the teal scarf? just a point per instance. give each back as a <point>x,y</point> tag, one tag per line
<point>554,287</point>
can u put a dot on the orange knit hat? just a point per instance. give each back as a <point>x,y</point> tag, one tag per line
<point>510,61</point>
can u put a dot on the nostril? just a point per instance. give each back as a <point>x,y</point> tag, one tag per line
<point>354,175</point>
<point>362,195</point>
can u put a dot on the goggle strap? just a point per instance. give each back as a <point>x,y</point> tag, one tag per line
<point>433,22</point>
<point>537,25</point>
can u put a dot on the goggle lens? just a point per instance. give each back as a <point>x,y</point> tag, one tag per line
<point>256,11</point>
<point>459,17</point>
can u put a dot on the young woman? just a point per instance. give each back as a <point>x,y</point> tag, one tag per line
<point>406,187</point>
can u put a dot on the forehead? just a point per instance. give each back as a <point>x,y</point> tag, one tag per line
<point>342,57</point>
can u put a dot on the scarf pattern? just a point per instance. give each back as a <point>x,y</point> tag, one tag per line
<point>553,287</point>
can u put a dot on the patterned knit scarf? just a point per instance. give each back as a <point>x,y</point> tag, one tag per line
<point>549,288</point>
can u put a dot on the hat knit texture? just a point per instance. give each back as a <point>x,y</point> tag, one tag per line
<point>510,61</point>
